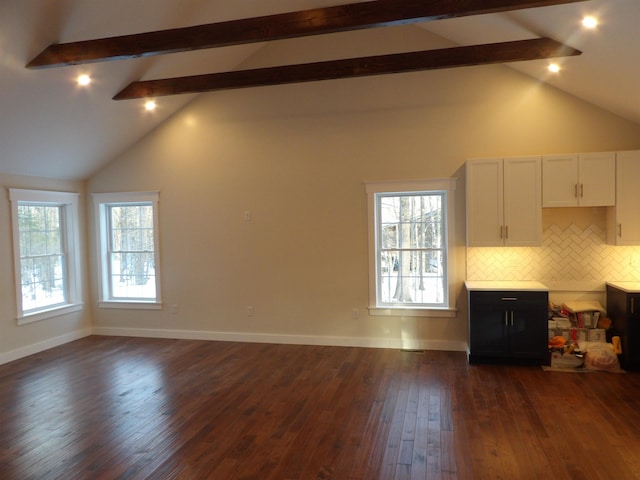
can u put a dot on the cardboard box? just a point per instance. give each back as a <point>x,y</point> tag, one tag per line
<point>568,360</point>
<point>584,320</point>
<point>596,335</point>
<point>579,335</point>
<point>562,322</point>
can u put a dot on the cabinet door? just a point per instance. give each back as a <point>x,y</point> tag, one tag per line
<point>597,179</point>
<point>560,181</point>
<point>624,309</point>
<point>528,332</point>
<point>522,202</point>
<point>631,337</point>
<point>484,202</point>
<point>488,325</point>
<point>624,218</point>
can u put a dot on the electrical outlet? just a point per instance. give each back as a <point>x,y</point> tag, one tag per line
<point>250,311</point>
<point>174,309</point>
<point>355,313</point>
<point>247,215</point>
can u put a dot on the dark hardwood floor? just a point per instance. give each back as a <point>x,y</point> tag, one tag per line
<point>126,408</point>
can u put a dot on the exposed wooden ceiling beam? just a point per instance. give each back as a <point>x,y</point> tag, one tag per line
<point>274,27</point>
<point>515,51</point>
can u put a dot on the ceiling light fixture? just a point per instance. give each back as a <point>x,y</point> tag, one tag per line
<point>553,67</point>
<point>150,105</point>
<point>590,22</point>
<point>83,80</point>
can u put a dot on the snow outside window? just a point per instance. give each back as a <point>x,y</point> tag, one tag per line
<point>409,240</point>
<point>128,242</point>
<point>45,253</point>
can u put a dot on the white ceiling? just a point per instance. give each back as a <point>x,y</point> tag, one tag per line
<point>49,127</point>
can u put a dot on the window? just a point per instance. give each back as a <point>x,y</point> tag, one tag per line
<point>410,228</point>
<point>128,245</point>
<point>45,239</point>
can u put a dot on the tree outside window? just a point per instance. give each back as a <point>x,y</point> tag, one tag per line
<point>411,246</point>
<point>411,258</point>
<point>46,253</point>
<point>128,244</point>
<point>42,258</point>
<point>132,251</point>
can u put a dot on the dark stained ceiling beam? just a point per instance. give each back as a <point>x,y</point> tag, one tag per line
<point>340,18</point>
<point>515,51</point>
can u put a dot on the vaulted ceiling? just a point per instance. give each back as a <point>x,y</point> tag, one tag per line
<point>50,127</point>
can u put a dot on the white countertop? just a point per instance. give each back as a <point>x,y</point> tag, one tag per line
<point>505,285</point>
<point>629,287</point>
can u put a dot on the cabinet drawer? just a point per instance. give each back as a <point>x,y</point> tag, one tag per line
<point>500,299</point>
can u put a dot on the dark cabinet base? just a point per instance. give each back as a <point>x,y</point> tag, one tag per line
<point>508,327</point>
<point>623,308</point>
<point>540,359</point>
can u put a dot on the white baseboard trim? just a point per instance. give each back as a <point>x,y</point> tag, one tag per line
<point>34,348</point>
<point>392,343</point>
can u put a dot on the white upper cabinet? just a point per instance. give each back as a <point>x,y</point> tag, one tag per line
<point>586,180</point>
<point>559,181</point>
<point>503,202</point>
<point>623,220</point>
<point>522,201</point>
<point>485,204</point>
<point>597,175</point>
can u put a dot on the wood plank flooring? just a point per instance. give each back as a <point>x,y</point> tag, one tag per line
<point>124,408</point>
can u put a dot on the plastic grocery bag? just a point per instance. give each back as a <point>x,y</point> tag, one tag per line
<point>600,356</point>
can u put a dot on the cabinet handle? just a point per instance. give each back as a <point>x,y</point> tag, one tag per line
<point>501,232</point>
<point>509,299</point>
<point>575,190</point>
<point>620,230</point>
<point>581,190</point>
<point>506,318</point>
<point>506,230</point>
<point>512,318</point>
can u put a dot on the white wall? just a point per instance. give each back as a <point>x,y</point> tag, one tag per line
<point>19,340</point>
<point>297,158</point>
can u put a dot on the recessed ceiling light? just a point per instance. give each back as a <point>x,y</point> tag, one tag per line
<point>590,22</point>
<point>554,67</point>
<point>83,80</point>
<point>150,105</point>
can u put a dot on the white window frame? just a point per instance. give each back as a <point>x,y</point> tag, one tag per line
<point>68,201</point>
<point>446,186</point>
<point>102,202</point>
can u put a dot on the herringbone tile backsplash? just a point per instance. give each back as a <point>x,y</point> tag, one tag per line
<point>570,251</point>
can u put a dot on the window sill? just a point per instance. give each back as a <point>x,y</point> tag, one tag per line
<point>413,312</point>
<point>131,305</point>
<point>50,313</point>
